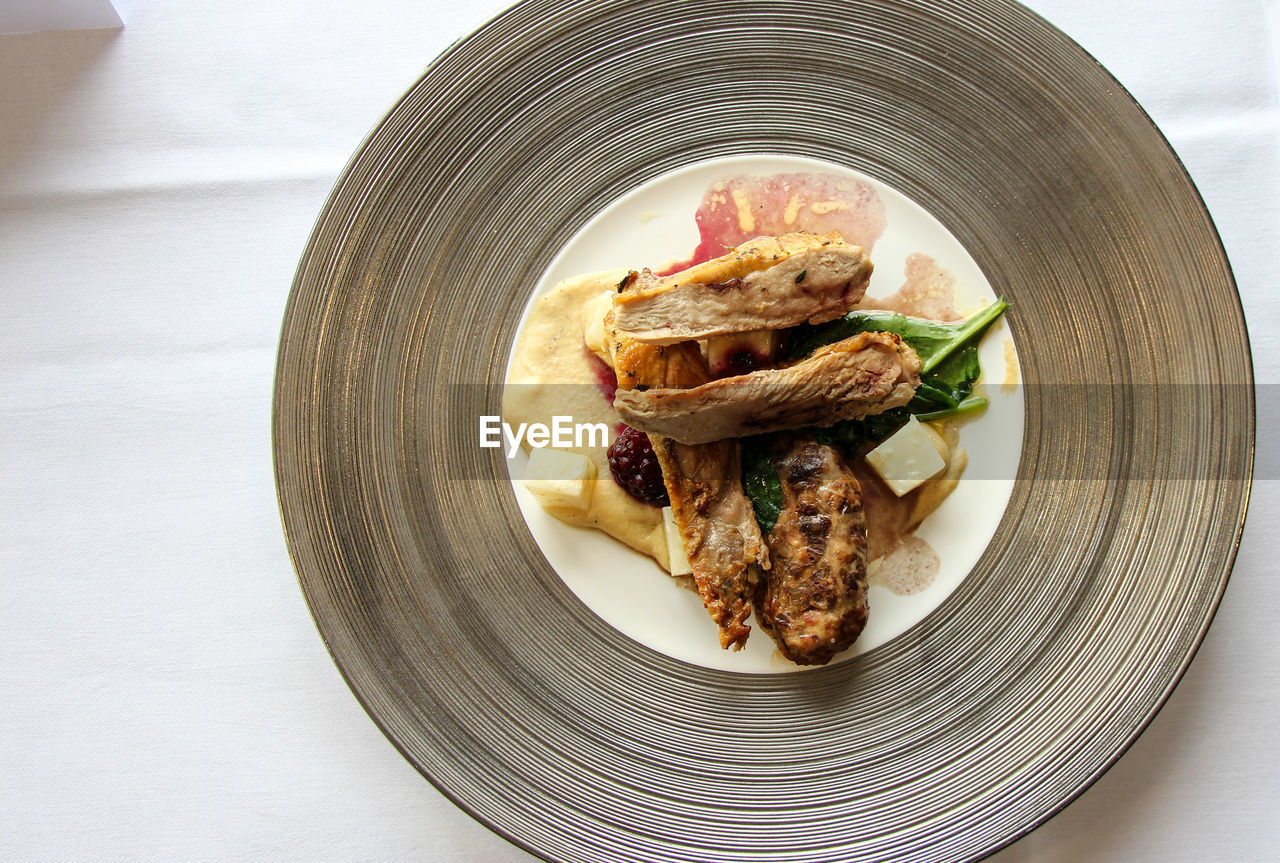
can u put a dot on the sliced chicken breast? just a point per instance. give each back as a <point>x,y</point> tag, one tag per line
<point>862,375</point>
<point>766,283</point>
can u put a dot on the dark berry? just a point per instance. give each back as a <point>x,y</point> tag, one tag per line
<point>635,467</point>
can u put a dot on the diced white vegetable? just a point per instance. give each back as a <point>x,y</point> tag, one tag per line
<point>675,548</point>
<point>559,479</point>
<point>907,458</point>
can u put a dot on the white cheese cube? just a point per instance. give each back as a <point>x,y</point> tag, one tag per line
<point>675,547</point>
<point>907,458</point>
<point>559,479</point>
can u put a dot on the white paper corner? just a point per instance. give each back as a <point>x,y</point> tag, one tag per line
<point>35,16</point>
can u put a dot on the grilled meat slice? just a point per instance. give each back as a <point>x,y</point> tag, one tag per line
<point>717,524</point>
<point>766,283</point>
<point>814,601</point>
<point>717,528</point>
<point>859,376</point>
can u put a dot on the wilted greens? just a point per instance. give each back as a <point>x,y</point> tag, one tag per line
<point>949,366</point>
<point>760,482</point>
<point>949,369</point>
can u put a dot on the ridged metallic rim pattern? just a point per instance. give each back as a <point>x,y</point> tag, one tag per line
<point>954,739</point>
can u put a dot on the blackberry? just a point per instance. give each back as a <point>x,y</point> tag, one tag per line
<point>635,467</point>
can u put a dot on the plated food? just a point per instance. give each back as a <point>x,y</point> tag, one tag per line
<point>768,449</point>
<point>558,685</point>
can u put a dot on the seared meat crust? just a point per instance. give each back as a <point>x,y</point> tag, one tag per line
<point>862,375</point>
<point>717,528</point>
<point>766,283</point>
<point>814,600</point>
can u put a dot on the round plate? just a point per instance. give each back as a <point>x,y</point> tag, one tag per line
<point>576,742</point>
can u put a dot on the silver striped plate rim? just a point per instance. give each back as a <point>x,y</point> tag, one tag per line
<point>950,741</point>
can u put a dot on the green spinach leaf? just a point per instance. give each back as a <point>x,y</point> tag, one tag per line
<point>760,482</point>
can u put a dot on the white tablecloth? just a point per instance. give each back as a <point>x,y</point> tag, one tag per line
<point>166,695</point>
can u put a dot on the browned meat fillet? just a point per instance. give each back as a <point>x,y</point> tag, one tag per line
<point>766,283</point>
<point>717,524</point>
<point>717,527</point>
<point>862,375</point>
<point>814,602</point>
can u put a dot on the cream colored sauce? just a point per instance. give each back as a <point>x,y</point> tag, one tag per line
<point>792,210</point>
<point>552,373</point>
<point>929,291</point>
<point>746,219</point>
<point>1012,375</point>
<point>826,208</point>
<point>912,566</point>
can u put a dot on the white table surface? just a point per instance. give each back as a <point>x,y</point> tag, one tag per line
<point>166,695</point>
